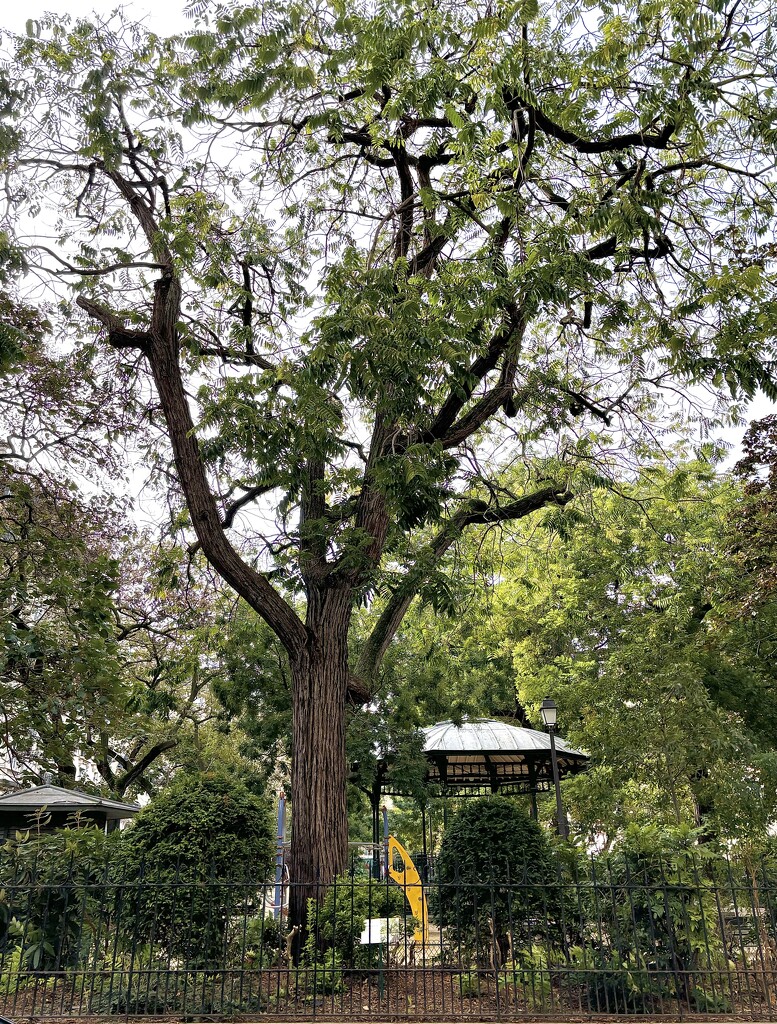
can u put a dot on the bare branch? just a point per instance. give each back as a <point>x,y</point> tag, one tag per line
<point>251,494</point>
<point>230,355</point>
<point>445,427</point>
<point>119,335</point>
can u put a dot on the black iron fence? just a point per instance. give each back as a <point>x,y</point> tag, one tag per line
<point>697,939</point>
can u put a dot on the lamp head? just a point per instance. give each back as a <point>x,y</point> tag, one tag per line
<point>549,712</point>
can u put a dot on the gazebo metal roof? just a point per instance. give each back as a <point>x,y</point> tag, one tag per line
<point>55,798</point>
<point>482,754</point>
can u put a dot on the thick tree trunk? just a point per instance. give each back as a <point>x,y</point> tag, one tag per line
<point>319,840</point>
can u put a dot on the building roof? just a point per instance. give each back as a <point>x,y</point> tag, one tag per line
<point>55,798</point>
<point>486,736</point>
<point>483,754</point>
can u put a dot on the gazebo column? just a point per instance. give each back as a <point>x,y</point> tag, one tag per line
<point>532,787</point>
<point>375,807</point>
<point>424,847</point>
<point>441,764</point>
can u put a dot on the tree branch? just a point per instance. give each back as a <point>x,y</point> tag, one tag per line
<point>123,782</point>
<point>609,247</point>
<point>119,335</point>
<point>398,604</point>
<point>463,391</point>
<point>370,513</point>
<point>239,358</point>
<point>446,428</point>
<point>312,543</point>
<point>161,347</point>
<point>407,191</point>
<point>251,494</point>
<point>611,145</point>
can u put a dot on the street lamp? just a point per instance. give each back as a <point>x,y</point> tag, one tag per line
<point>549,713</point>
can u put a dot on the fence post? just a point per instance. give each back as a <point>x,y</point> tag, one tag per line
<point>278,902</point>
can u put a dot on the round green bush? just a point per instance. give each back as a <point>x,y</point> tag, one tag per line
<point>496,880</point>
<point>192,858</point>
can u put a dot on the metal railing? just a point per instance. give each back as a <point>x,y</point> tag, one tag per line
<point>607,940</point>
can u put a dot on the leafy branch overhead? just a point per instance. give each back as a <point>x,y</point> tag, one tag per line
<point>425,223</point>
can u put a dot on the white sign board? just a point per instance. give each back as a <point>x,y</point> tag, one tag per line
<point>375,931</point>
<point>378,929</point>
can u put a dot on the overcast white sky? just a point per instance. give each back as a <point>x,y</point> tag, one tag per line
<point>162,16</point>
<point>166,17</point>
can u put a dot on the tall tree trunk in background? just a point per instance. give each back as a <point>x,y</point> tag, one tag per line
<point>319,848</point>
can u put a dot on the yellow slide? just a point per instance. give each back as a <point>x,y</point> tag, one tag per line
<point>407,876</point>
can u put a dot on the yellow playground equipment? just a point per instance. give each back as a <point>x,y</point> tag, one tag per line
<point>408,878</point>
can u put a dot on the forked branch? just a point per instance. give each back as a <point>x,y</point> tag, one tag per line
<point>470,515</point>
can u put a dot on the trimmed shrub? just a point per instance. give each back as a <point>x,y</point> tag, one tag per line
<point>497,883</point>
<point>192,858</point>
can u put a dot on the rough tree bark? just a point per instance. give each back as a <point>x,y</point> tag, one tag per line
<point>319,766</point>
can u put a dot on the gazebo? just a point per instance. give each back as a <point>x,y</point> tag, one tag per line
<point>19,809</point>
<point>485,756</point>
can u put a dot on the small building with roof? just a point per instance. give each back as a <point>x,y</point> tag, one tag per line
<point>483,755</point>
<point>51,807</point>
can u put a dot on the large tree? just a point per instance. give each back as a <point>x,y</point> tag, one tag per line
<point>365,255</point>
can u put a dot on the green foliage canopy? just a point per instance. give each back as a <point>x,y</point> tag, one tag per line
<point>60,673</point>
<point>368,255</point>
<point>629,617</point>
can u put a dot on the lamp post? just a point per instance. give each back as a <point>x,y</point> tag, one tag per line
<point>549,713</point>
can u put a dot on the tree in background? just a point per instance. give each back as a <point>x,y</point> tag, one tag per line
<point>106,644</point>
<point>170,622</point>
<point>60,674</point>
<point>630,607</point>
<point>364,258</point>
<point>754,522</point>
<point>59,664</point>
<point>627,616</point>
<point>253,689</point>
